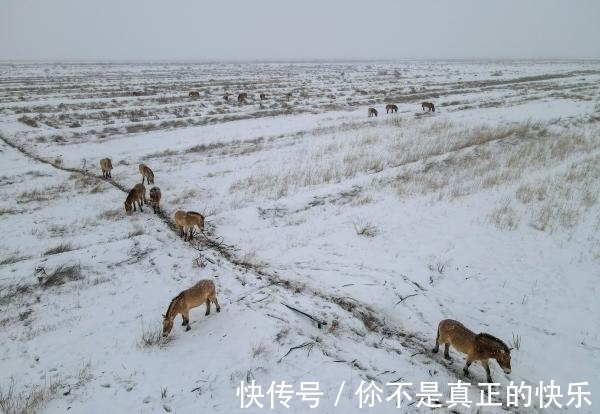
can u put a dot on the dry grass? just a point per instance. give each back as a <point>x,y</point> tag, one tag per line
<point>152,337</point>
<point>15,257</point>
<point>504,217</point>
<point>365,228</point>
<point>30,399</point>
<point>61,248</point>
<point>59,276</point>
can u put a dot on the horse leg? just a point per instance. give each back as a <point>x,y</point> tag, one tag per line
<point>447,352</point>
<point>467,365</point>
<point>186,320</point>
<point>216,302</point>
<point>437,344</point>
<point>486,365</point>
<point>207,307</point>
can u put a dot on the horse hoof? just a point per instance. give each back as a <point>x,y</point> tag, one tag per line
<point>218,309</point>
<point>188,328</point>
<point>434,350</point>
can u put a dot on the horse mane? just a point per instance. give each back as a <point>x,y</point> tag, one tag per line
<point>494,339</point>
<point>175,299</point>
<point>195,213</point>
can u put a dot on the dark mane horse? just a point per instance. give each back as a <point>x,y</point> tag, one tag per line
<point>478,347</point>
<point>428,105</point>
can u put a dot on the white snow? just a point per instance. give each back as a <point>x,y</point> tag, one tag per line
<point>486,211</point>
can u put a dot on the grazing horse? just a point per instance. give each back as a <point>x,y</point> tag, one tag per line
<point>226,97</point>
<point>478,347</point>
<point>186,222</point>
<point>428,105</point>
<point>194,93</point>
<point>136,195</point>
<point>106,166</point>
<point>372,112</point>
<point>155,197</point>
<point>146,173</point>
<point>242,97</point>
<point>137,93</point>
<point>202,292</point>
<point>263,96</point>
<point>391,107</point>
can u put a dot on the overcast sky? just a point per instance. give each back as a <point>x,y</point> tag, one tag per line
<point>301,29</point>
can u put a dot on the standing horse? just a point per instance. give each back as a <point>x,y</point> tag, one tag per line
<point>155,197</point>
<point>428,105</point>
<point>136,195</point>
<point>146,173</point>
<point>391,107</point>
<point>242,97</point>
<point>263,96</point>
<point>372,112</point>
<point>186,222</point>
<point>194,93</point>
<point>478,347</point>
<point>202,292</point>
<point>106,166</point>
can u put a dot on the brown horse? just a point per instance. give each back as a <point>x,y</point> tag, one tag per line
<point>155,197</point>
<point>242,97</point>
<point>136,195</point>
<point>146,173</point>
<point>202,292</point>
<point>263,96</point>
<point>226,97</point>
<point>391,107</point>
<point>428,105</point>
<point>372,112</point>
<point>106,166</point>
<point>137,93</point>
<point>186,222</point>
<point>478,347</point>
<point>194,93</point>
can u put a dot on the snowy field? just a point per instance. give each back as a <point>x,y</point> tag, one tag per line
<point>486,211</point>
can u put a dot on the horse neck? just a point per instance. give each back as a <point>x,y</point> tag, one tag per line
<point>492,344</point>
<point>174,307</point>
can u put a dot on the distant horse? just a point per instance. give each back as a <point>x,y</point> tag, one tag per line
<point>288,96</point>
<point>106,166</point>
<point>137,93</point>
<point>263,96</point>
<point>202,292</point>
<point>391,107</point>
<point>428,105</point>
<point>146,173</point>
<point>478,347</point>
<point>194,93</point>
<point>155,197</point>
<point>136,195</point>
<point>242,97</point>
<point>186,222</point>
<point>226,97</point>
<point>372,112</point>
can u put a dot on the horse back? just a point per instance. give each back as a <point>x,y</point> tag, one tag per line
<point>199,293</point>
<point>456,334</point>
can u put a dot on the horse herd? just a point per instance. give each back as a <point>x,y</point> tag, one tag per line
<point>241,98</point>
<point>478,347</point>
<point>393,108</point>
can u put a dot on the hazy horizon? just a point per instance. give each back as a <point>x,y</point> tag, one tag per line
<point>275,31</point>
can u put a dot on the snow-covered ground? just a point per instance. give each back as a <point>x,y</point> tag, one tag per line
<point>485,211</point>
